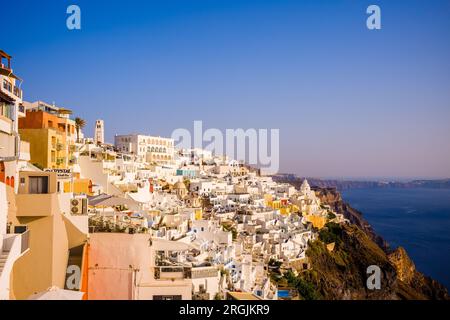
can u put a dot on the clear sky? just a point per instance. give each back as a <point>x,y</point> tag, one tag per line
<point>349,102</point>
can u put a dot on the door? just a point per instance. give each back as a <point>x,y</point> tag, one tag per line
<point>38,185</point>
<point>2,172</point>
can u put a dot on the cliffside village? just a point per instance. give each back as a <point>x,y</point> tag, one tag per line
<point>140,218</point>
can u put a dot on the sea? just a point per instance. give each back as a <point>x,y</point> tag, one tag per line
<point>417,219</point>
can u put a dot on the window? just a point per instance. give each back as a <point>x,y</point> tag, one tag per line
<point>167,298</point>
<point>7,85</point>
<point>38,185</point>
<point>6,110</point>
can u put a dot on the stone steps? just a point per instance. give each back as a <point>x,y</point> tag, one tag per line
<point>3,258</point>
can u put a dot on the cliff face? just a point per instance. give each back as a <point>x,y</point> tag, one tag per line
<point>332,197</point>
<point>403,264</point>
<point>417,283</point>
<point>342,273</point>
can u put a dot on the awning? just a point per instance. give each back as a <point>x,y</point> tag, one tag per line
<point>112,201</point>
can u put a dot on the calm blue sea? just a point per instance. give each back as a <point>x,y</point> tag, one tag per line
<point>417,219</point>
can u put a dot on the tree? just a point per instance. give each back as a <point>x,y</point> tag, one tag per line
<point>79,124</point>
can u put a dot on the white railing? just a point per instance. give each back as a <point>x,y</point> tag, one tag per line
<point>12,244</point>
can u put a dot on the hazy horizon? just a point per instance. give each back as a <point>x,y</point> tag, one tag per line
<point>349,102</point>
<point>368,178</point>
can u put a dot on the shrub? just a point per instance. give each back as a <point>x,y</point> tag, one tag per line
<point>307,290</point>
<point>331,216</point>
<point>332,232</point>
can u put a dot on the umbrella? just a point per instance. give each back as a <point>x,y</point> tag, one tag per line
<point>54,293</point>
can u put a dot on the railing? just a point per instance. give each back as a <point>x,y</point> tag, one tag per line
<point>13,89</point>
<point>17,92</point>
<point>59,147</point>
<point>165,273</point>
<point>37,205</point>
<point>25,241</point>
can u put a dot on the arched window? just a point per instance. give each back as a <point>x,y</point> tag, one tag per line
<point>2,172</point>
<point>8,181</point>
<point>12,181</point>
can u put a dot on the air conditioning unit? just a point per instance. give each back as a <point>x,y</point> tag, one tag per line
<point>79,206</point>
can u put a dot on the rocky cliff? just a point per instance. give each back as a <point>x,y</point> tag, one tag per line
<point>342,273</point>
<point>332,197</point>
<point>412,281</point>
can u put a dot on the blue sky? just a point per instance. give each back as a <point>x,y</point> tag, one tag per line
<point>349,102</point>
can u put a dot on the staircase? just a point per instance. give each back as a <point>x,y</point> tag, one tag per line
<point>3,257</point>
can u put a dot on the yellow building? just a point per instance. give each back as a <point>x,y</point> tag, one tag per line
<point>81,186</point>
<point>317,221</point>
<point>198,214</point>
<point>268,199</point>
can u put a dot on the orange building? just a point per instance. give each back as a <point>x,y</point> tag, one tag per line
<point>51,134</point>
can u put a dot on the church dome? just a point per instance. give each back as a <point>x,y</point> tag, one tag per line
<point>179,185</point>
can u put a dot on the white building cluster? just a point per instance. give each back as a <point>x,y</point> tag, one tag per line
<point>229,221</point>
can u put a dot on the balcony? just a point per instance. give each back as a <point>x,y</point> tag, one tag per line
<point>37,205</point>
<point>21,111</point>
<point>17,92</point>
<point>59,147</point>
<point>173,273</point>
<point>11,89</point>
<point>60,161</point>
